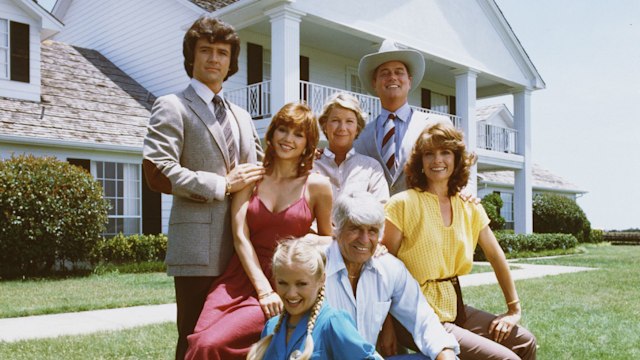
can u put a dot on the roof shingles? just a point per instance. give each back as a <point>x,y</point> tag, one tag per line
<point>85,98</point>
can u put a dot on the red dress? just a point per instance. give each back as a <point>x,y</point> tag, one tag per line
<point>231,319</point>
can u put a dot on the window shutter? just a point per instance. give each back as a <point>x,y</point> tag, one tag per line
<point>304,76</point>
<point>452,105</point>
<point>19,52</point>
<point>426,98</point>
<point>83,163</point>
<point>254,63</point>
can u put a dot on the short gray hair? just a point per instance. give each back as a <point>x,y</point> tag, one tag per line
<point>358,208</point>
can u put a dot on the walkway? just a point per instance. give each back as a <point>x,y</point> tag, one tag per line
<point>45,326</point>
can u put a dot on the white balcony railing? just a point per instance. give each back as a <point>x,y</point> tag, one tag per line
<point>256,99</point>
<point>497,138</point>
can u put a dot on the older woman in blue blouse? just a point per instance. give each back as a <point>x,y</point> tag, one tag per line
<point>308,328</point>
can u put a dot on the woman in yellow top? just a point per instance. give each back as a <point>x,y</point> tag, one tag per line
<point>434,232</point>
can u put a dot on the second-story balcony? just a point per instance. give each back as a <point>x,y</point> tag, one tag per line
<point>256,99</point>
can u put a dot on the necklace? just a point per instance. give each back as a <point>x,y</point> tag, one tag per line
<point>352,276</point>
<point>291,326</point>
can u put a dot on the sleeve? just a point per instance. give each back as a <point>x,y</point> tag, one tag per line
<point>394,211</point>
<point>378,185</point>
<point>162,152</point>
<point>412,310</point>
<point>344,342</point>
<point>479,220</point>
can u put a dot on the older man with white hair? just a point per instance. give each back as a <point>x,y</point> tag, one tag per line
<point>370,288</point>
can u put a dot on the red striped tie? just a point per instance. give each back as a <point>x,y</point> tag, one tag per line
<point>389,144</point>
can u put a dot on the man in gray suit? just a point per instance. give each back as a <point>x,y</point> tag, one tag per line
<point>202,149</point>
<point>391,74</point>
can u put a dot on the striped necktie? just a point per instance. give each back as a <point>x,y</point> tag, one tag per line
<point>221,116</point>
<point>389,144</point>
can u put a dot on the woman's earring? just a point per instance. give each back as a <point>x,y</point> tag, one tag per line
<point>422,171</point>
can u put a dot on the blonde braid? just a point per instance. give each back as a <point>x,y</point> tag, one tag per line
<point>258,349</point>
<point>308,344</point>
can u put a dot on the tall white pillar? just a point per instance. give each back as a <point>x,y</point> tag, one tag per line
<point>285,55</point>
<point>523,197</point>
<point>466,110</point>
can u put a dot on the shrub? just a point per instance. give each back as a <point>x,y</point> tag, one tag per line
<point>622,237</point>
<point>559,214</point>
<point>492,204</point>
<point>49,211</point>
<point>525,243</point>
<point>596,236</point>
<point>122,249</point>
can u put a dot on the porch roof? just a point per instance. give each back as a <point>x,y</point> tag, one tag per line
<point>543,179</point>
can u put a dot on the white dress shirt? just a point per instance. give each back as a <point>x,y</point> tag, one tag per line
<point>207,96</point>
<point>385,286</point>
<point>356,173</point>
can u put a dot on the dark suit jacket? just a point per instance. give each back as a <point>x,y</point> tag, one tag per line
<point>367,142</point>
<point>185,155</point>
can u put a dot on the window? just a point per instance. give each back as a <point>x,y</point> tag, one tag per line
<point>439,102</point>
<point>14,50</point>
<point>121,186</point>
<point>353,81</point>
<point>507,209</point>
<point>4,49</point>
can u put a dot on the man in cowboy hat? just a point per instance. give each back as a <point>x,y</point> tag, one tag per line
<point>391,74</point>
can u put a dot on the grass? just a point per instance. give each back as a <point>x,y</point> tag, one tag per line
<point>104,291</point>
<point>586,315</point>
<point>146,342</point>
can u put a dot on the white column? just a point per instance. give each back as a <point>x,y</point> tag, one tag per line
<point>466,110</point>
<point>523,194</point>
<point>285,55</point>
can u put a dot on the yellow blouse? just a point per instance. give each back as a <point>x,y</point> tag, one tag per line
<point>433,251</point>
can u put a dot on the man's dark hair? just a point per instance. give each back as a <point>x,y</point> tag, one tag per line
<point>214,30</point>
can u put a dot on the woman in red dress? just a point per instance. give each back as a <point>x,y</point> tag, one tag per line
<point>284,204</point>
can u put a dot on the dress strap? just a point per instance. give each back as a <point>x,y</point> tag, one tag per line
<point>304,187</point>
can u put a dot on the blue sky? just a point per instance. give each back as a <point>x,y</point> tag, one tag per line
<point>586,126</point>
<point>586,123</point>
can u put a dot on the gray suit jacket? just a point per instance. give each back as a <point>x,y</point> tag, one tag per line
<point>185,155</point>
<point>367,142</point>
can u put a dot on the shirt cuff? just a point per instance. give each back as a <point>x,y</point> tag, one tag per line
<point>220,190</point>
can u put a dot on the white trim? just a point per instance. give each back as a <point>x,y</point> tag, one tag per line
<point>70,144</point>
<point>50,24</point>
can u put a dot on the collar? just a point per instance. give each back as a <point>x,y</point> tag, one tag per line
<point>403,113</point>
<point>328,153</point>
<point>335,262</point>
<point>204,92</point>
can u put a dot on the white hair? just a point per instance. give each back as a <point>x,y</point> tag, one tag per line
<point>358,208</point>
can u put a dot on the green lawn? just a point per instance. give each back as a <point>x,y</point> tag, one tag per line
<point>147,342</point>
<point>112,290</point>
<point>587,315</point>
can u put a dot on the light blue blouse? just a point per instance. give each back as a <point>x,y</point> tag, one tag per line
<point>334,337</point>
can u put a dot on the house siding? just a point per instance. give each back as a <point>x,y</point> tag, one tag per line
<point>128,34</point>
<point>485,46</point>
<point>15,89</point>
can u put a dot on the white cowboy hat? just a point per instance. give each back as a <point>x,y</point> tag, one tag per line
<point>389,51</point>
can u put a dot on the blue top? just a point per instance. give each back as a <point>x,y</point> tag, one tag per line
<point>334,337</point>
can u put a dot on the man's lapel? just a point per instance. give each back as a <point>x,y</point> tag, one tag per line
<point>203,113</point>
